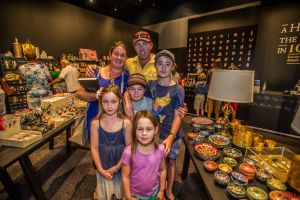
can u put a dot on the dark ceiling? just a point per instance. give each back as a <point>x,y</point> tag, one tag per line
<point>147,12</point>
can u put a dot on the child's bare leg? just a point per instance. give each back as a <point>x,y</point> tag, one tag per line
<point>197,112</point>
<point>171,176</point>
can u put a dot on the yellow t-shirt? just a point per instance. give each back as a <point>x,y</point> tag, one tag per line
<point>133,65</point>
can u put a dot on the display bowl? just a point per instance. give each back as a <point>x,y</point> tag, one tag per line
<point>276,195</point>
<point>230,161</point>
<point>204,132</point>
<point>191,135</point>
<point>225,168</point>
<point>206,151</point>
<point>239,178</point>
<point>218,127</point>
<point>198,138</point>
<point>249,161</point>
<point>280,195</point>
<point>221,178</point>
<point>256,193</point>
<point>262,175</point>
<point>202,120</point>
<point>210,129</point>
<point>219,141</point>
<point>197,127</point>
<point>232,152</point>
<point>235,190</point>
<point>275,184</point>
<point>210,165</point>
<point>247,170</point>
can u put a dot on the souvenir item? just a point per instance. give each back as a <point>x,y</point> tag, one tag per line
<point>22,139</point>
<point>206,151</point>
<point>280,195</point>
<point>230,161</point>
<point>196,127</point>
<point>247,170</point>
<point>202,120</point>
<point>256,193</point>
<point>277,195</point>
<point>219,141</point>
<point>232,152</point>
<point>210,128</point>
<point>275,184</point>
<point>225,168</point>
<point>17,49</point>
<point>262,175</point>
<point>198,138</point>
<point>204,132</point>
<point>249,161</point>
<point>239,178</point>
<point>191,135</point>
<point>88,54</point>
<point>235,190</point>
<point>218,127</point>
<point>221,178</point>
<point>210,165</point>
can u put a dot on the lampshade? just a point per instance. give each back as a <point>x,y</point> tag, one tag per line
<point>296,122</point>
<point>232,86</point>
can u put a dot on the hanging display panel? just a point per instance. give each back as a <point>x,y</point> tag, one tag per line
<point>231,46</point>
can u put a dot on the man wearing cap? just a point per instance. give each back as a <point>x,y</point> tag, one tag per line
<point>143,63</point>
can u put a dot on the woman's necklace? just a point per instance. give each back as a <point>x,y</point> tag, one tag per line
<point>112,78</point>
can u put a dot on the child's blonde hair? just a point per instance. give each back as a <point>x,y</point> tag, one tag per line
<point>114,89</point>
<point>141,114</point>
<point>202,77</point>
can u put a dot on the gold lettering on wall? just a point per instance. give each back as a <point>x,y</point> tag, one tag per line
<point>289,43</point>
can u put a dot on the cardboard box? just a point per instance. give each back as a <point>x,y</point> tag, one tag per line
<point>56,105</point>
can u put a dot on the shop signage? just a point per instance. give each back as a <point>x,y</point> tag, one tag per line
<point>289,42</point>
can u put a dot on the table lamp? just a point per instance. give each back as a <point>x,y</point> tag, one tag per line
<point>296,122</point>
<point>231,86</point>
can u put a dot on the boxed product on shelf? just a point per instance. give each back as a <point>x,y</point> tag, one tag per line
<point>21,139</point>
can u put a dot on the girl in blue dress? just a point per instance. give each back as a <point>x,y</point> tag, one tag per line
<point>110,134</point>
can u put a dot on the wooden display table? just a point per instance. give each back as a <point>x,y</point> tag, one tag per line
<point>9,155</point>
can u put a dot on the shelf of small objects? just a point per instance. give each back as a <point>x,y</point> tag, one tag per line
<point>210,140</point>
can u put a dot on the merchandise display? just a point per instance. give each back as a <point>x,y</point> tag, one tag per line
<point>221,178</point>
<point>21,139</point>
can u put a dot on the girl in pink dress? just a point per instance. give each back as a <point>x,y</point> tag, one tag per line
<point>143,164</point>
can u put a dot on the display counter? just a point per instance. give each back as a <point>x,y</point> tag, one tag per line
<point>214,191</point>
<point>270,109</point>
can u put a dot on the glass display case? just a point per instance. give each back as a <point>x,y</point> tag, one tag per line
<point>275,160</point>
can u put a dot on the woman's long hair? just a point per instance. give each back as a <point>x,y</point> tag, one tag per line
<point>141,114</point>
<point>114,89</point>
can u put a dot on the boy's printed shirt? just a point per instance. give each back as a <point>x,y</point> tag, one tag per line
<point>166,100</point>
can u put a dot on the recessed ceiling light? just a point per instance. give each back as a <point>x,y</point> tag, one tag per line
<point>115,9</point>
<point>92,1</point>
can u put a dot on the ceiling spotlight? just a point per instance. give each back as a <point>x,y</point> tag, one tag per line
<point>153,4</point>
<point>92,1</point>
<point>115,9</point>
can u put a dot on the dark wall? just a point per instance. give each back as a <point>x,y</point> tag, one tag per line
<point>268,64</point>
<point>165,10</point>
<point>180,58</point>
<point>271,66</point>
<point>58,27</point>
<point>232,19</point>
